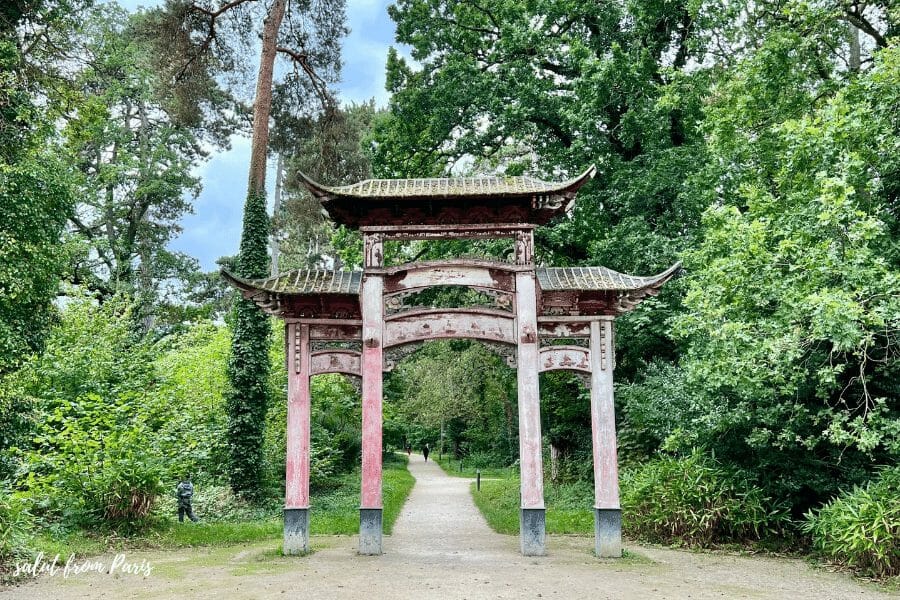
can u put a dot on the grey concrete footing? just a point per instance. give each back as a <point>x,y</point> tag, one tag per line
<point>296,531</point>
<point>370,531</point>
<point>532,531</point>
<point>608,532</point>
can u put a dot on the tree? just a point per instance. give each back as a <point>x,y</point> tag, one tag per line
<point>35,200</point>
<point>551,87</point>
<point>208,35</point>
<point>793,314</point>
<point>134,162</point>
<point>330,149</point>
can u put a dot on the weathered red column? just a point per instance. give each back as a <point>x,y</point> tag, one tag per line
<point>607,511</point>
<point>296,495</point>
<point>532,518</point>
<point>372,305</point>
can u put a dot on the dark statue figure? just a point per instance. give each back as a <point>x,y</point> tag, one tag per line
<point>185,493</point>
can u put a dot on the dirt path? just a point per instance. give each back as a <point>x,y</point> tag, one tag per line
<point>442,548</point>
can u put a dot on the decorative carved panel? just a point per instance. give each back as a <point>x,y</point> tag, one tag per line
<point>335,332</point>
<point>507,352</point>
<point>393,356</point>
<point>399,302</point>
<point>565,358</point>
<point>335,361</point>
<point>565,341</point>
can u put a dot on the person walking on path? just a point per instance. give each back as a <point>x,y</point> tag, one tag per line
<point>185,493</point>
<point>425,452</point>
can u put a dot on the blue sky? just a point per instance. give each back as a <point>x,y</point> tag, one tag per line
<point>214,229</point>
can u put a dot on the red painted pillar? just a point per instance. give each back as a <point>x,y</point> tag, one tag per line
<point>607,511</point>
<point>532,514</point>
<point>296,496</point>
<point>372,304</point>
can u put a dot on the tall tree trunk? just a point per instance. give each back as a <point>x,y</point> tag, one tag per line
<point>855,60</point>
<point>262,105</point>
<point>273,239</point>
<point>248,365</point>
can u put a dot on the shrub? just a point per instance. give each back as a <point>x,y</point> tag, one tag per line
<point>658,411</point>
<point>93,462</point>
<point>861,528</point>
<point>695,501</point>
<point>16,525</point>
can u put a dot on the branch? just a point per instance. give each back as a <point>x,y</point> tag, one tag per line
<point>554,128</point>
<point>210,33</point>
<point>860,23</point>
<point>214,14</point>
<point>487,13</point>
<point>319,84</point>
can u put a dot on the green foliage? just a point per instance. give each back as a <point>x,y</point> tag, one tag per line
<point>498,501</point>
<point>16,527</point>
<point>91,353</point>
<point>35,201</point>
<point>191,369</point>
<point>216,503</point>
<point>330,150</point>
<point>657,412</point>
<point>102,432</point>
<point>335,435</point>
<point>248,365</point>
<point>460,388</point>
<point>94,462</point>
<point>792,303</point>
<point>134,165</point>
<point>568,510</point>
<point>861,527</point>
<point>696,502</point>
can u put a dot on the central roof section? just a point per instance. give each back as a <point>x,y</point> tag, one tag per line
<point>459,200</point>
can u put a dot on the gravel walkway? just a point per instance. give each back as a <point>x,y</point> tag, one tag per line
<point>442,548</point>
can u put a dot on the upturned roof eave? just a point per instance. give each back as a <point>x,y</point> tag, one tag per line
<point>642,283</point>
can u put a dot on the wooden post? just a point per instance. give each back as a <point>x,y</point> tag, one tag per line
<point>531,516</point>
<point>372,304</point>
<point>296,497</point>
<point>607,511</point>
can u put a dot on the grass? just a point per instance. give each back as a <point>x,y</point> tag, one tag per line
<point>335,512</point>
<point>459,468</point>
<point>338,512</point>
<point>498,501</point>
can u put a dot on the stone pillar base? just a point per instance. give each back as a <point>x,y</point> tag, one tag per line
<point>608,532</point>
<point>370,531</point>
<point>532,530</point>
<point>296,531</point>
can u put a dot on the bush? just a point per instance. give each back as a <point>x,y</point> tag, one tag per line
<point>659,411</point>
<point>16,525</point>
<point>861,528</point>
<point>94,462</point>
<point>695,502</point>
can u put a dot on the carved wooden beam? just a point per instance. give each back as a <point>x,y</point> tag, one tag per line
<point>336,361</point>
<point>484,324</point>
